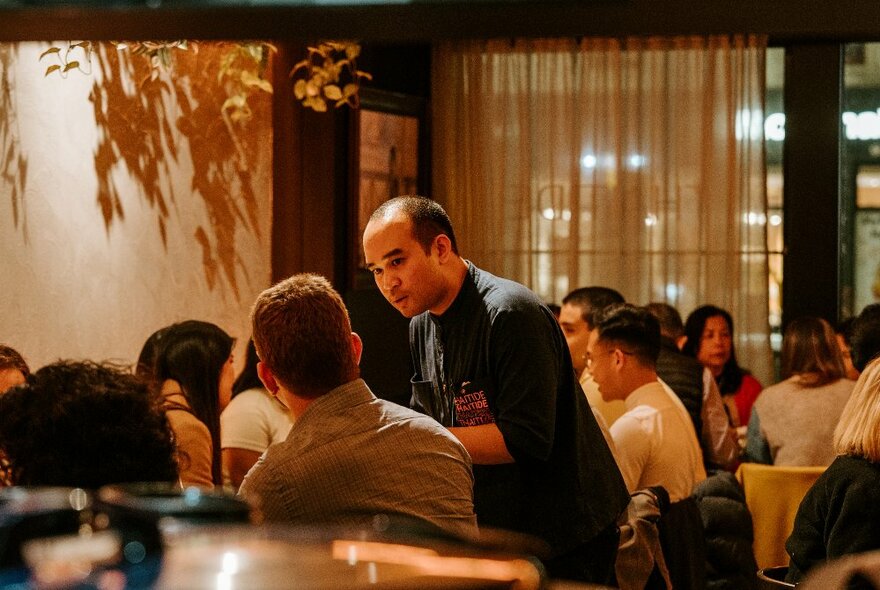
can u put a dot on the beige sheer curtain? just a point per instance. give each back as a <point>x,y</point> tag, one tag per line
<point>636,164</point>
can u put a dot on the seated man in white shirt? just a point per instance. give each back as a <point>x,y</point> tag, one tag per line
<point>656,442</point>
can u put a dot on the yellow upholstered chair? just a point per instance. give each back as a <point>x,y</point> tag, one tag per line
<point>773,494</point>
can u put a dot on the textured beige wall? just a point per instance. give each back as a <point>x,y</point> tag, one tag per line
<point>118,216</point>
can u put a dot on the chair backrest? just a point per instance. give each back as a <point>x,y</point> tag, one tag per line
<point>684,544</point>
<point>773,494</point>
<point>640,564</point>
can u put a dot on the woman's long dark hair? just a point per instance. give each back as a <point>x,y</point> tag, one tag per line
<point>145,368</point>
<point>732,374</point>
<point>193,354</point>
<point>248,378</point>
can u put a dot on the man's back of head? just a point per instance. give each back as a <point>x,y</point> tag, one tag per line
<point>634,329</point>
<point>671,324</point>
<point>348,455</point>
<point>302,334</point>
<point>592,301</point>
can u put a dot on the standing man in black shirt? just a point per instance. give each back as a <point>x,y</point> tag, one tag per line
<point>492,365</point>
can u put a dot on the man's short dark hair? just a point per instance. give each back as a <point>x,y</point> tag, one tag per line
<point>671,324</point>
<point>592,301</point>
<point>11,359</point>
<point>82,424</point>
<point>634,329</point>
<point>428,218</point>
<point>865,334</point>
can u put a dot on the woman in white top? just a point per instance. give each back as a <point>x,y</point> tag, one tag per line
<point>251,422</point>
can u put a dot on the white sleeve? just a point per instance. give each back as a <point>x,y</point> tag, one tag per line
<point>718,438</point>
<point>633,447</point>
<point>244,424</point>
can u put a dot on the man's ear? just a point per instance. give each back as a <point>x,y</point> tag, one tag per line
<point>267,377</point>
<point>357,347</point>
<point>620,359</point>
<point>443,245</point>
<point>680,342</point>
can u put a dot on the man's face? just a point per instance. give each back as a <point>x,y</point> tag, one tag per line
<point>600,362</point>
<point>409,279</point>
<point>571,319</point>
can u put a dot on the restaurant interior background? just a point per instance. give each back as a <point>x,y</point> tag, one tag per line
<point>121,210</point>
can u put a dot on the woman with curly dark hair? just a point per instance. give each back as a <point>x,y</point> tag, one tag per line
<point>709,332</point>
<point>81,424</point>
<point>193,367</point>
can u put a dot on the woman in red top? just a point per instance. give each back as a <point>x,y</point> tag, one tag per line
<point>709,332</point>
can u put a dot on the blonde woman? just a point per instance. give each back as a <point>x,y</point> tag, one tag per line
<point>840,514</point>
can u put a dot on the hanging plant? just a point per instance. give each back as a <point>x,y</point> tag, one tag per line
<point>242,72</point>
<point>242,68</point>
<point>159,52</point>
<point>329,74</point>
<point>65,61</point>
<point>329,71</point>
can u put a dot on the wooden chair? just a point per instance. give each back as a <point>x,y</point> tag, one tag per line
<point>773,495</point>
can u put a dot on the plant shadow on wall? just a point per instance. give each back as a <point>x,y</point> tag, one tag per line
<point>142,115</point>
<point>214,96</point>
<point>14,165</point>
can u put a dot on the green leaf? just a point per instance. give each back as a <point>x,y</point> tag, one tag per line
<point>50,51</point>
<point>51,69</point>
<point>70,66</point>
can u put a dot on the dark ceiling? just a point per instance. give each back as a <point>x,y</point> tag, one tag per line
<point>782,20</point>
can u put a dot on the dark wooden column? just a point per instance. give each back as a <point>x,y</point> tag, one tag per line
<point>287,251</point>
<point>811,175</point>
<point>310,181</point>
